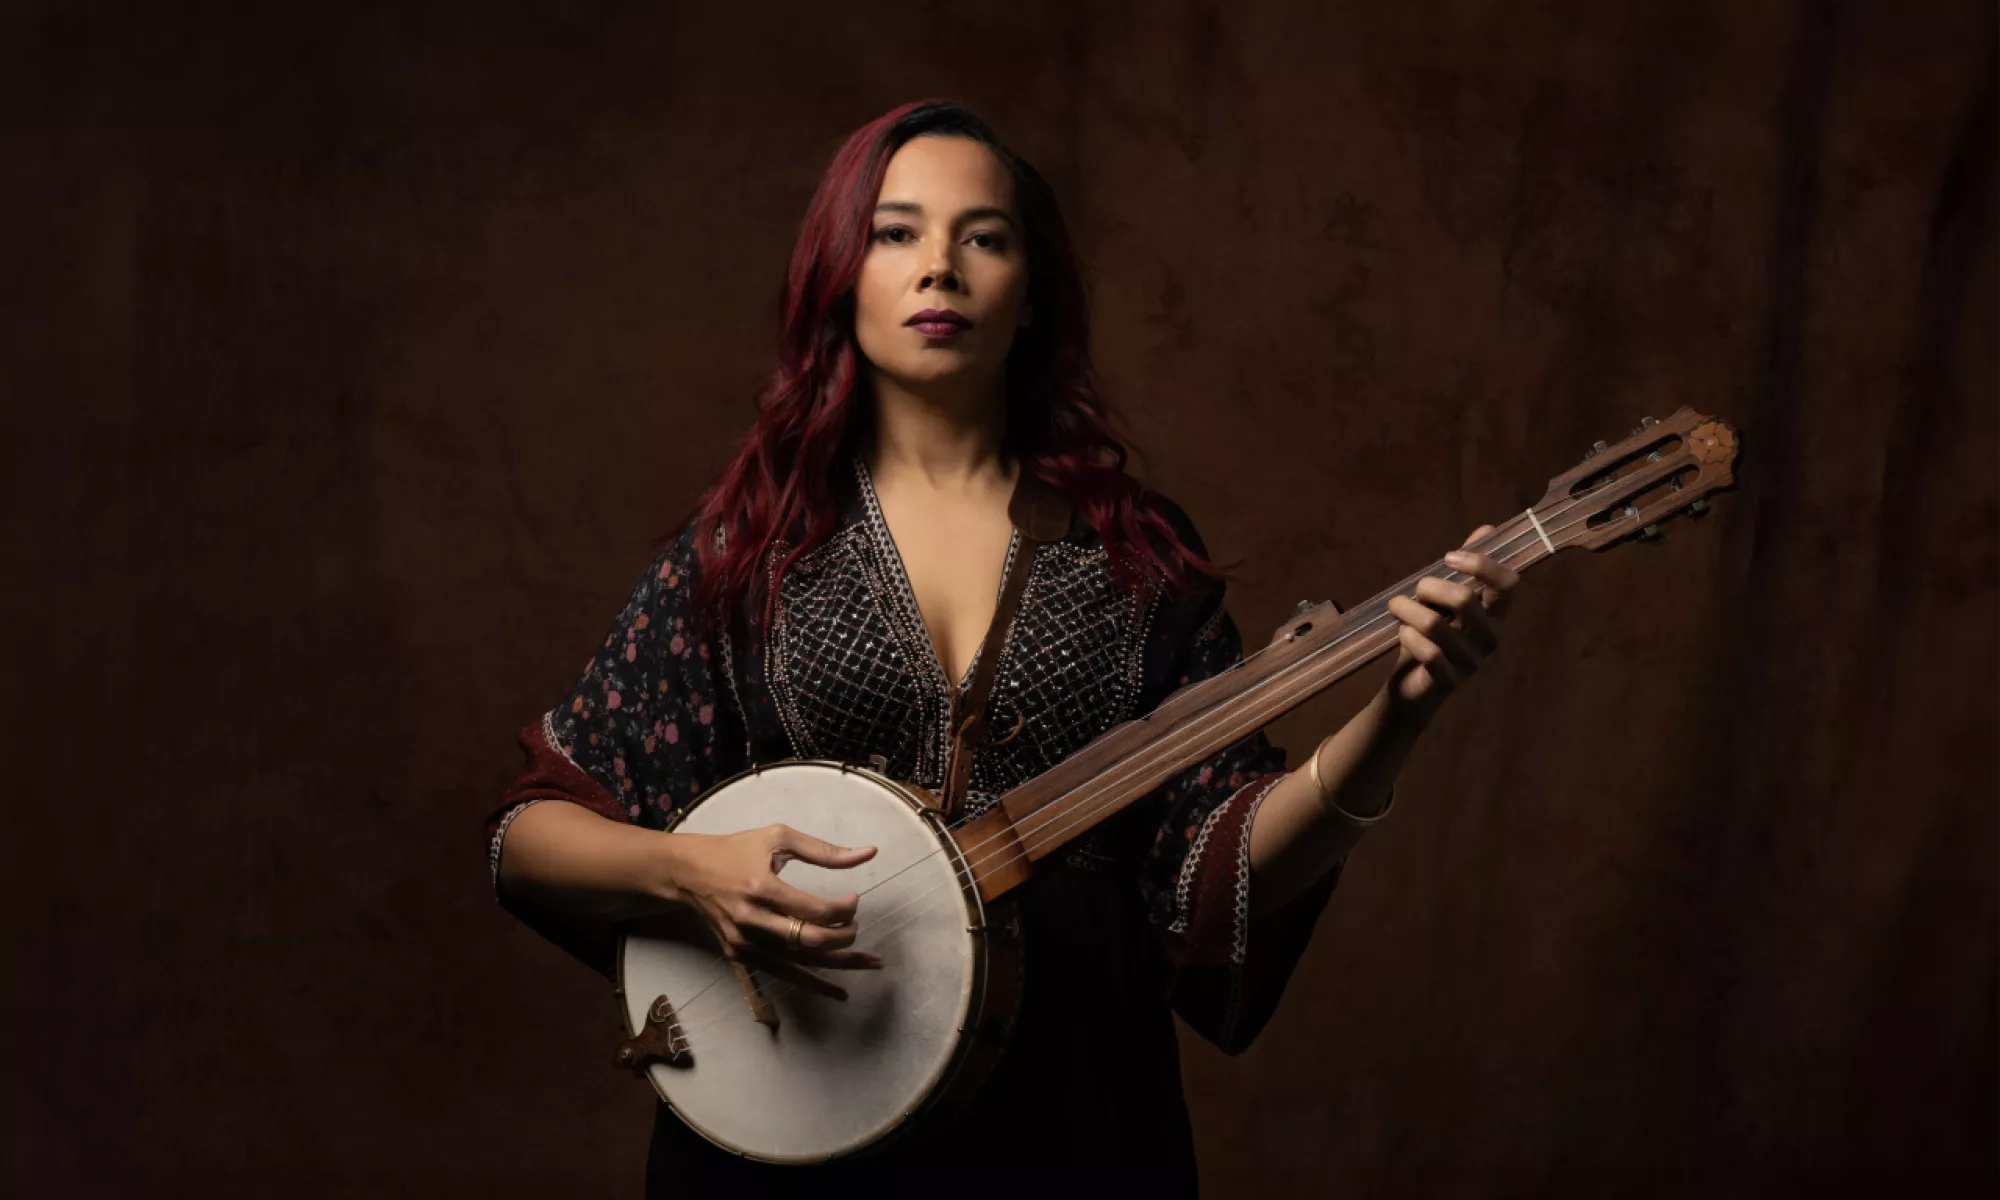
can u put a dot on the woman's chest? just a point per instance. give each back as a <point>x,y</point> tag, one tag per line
<point>848,671</point>
<point>954,557</point>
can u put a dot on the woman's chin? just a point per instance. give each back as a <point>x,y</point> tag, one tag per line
<point>942,368</point>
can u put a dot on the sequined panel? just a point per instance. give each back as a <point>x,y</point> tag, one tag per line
<point>1072,668</point>
<point>842,680</point>
<point>854,675</point>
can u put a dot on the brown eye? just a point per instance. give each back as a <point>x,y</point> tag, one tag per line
<point>993,241</point>
<point>895,235</point>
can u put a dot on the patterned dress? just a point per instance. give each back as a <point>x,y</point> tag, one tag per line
<point>1147,915</point>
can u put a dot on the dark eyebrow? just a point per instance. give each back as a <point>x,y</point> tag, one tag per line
<point>970,214</point>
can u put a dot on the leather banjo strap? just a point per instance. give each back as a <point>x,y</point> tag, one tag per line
<point>968,718</point>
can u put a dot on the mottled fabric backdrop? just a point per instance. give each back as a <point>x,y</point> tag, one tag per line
<point>355,356</point>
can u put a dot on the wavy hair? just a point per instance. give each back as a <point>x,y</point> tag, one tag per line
<point>814,404</point>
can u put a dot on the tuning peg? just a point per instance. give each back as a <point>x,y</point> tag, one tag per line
<point>1302,608</point>
<point>1644,424</point>
<point>1650,532</point>
<point>1596,448</point>
<point>1697,508</point>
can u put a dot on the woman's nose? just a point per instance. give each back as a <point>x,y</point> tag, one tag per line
<point>941,274</point>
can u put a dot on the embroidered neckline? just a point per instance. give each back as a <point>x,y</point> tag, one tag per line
<point>906,595</point>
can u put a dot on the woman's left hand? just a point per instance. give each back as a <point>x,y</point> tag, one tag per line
<point>1446,636</point>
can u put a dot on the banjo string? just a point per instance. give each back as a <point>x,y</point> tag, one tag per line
<point>1530,537</point>
<point>961,876</point>
<point>1086,810</point>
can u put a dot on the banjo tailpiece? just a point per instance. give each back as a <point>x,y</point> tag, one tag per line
<point>659,1038</point>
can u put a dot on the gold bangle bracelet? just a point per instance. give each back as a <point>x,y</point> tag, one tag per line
<point>1326,802</point>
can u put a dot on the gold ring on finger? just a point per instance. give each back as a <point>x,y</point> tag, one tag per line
<point>792,935</point>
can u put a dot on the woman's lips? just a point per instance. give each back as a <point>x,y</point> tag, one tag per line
<point>938,329</point>
<point>939,323</point>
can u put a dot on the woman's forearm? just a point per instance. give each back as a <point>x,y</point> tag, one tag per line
<point>1296,839</point>
<point>568,859</point>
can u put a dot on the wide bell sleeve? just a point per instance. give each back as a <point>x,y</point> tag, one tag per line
<point>1230,967</point>
<point>645,729</point>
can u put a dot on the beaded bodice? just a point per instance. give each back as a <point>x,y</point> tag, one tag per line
<point>853,676</point>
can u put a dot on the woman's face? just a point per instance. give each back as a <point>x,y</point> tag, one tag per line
<point>946,238</point>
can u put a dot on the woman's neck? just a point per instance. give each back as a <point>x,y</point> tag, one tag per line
<point>952,443</point>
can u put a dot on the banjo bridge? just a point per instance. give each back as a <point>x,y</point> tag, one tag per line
<point>762,1010</point>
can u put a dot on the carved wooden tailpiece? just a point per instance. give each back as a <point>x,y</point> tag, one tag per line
<point>1618,492</point>
<point>659,1038</point>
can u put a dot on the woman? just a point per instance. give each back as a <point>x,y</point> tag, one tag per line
<point>830,593</point>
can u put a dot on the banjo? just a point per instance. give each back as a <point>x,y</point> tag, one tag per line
<point>776,1073</point>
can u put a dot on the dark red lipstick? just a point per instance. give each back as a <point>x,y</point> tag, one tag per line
<point>938,323</point>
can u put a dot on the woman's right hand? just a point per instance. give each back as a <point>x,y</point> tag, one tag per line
<point>732,881</point>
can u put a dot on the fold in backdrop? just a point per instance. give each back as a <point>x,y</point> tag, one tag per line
<point>353,354</point>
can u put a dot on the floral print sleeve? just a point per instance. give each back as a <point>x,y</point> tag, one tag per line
<point>644,729</point>
<point>1195,879</point>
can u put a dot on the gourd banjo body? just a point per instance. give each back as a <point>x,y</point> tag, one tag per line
<point>816,1078</point>
<point>778,1073</point>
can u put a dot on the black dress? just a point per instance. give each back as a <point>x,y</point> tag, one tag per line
<point>1147,915</point>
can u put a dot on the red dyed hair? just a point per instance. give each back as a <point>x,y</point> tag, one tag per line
<point>1058,425</point>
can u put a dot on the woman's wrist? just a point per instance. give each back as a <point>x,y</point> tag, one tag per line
<point>668,867</point>
<point>1362,758</point>
<point>1406,718</point>
<point>1361,816</point>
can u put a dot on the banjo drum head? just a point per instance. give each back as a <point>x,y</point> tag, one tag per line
<point>835,1076</point>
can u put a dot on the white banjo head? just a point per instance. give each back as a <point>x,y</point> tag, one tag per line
<point>835,1076</point>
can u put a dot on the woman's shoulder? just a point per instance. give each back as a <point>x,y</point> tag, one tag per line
<point>1200,591</point>
<point>1152,509</point>
<point>1177,519</point>
<point>666,583</point>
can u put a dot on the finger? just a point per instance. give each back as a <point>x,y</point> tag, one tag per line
<point>794,974</point>
<point>1476,534</point>
<point>1466,606</point>
<point>823,937</point>
<point>1498,595</point>
<point>1481,627</point>
<point>1446,595</point>
<point>1458,647</point>
<point>1496,579</point>
<point>782,897</point>
<point>1445,621</point>
<point>1433,658</point>
<point>768,927</point>
<point>1437,632</point>
<point>1481,567</point>
<point>728,935</point>
<point>805,847</point>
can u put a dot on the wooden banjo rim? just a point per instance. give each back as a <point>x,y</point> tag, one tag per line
<point>976,927</point>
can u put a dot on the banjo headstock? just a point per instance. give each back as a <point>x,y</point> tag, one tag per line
<point>1663,470</point>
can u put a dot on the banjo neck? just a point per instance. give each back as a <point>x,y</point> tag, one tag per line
<point>840,1079</point>
<point>1619,492</point>
<point>1316,649</point>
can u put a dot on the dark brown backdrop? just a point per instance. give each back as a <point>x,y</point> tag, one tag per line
<point>353,354</point>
